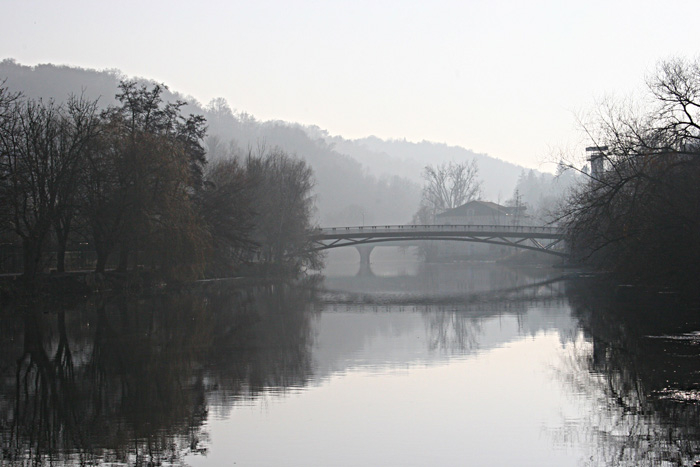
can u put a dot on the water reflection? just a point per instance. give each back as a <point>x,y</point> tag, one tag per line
<point>130,380</point>
<point>644,360</point>
<point>453,284</point>
<point>390,370</point>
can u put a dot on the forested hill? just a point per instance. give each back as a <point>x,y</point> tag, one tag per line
<point>357,181</point>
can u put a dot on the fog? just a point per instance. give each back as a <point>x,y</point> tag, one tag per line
<point>357,182</point>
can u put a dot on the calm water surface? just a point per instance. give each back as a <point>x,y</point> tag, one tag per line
<point>414,364</point>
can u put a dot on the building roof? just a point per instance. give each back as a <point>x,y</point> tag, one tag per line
<point>479,208</point>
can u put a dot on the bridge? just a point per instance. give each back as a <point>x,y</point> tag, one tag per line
<point>544,239</point>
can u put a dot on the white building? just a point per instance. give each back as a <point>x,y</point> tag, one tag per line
<point>477,213</point>
<point>483,213</point>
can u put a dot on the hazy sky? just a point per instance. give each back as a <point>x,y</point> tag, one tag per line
<point>505,78</point>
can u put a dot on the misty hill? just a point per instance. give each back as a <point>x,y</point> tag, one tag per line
<point>364,181</point>
<point>540,192</point>
<point>57,82</point>
<point>407,159</point>
<point>347,193</point>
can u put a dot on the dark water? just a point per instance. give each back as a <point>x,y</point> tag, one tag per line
<point>413,365</point>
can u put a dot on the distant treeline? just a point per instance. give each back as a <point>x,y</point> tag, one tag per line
<point>131,183</point>
<point>639,214</point>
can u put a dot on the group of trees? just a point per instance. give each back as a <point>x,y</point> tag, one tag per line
<point>131,183</point>
<point>638,214</point>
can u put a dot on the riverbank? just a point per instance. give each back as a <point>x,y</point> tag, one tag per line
<point>83,283</point>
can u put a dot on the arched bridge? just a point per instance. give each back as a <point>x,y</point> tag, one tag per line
<point>543,239</point>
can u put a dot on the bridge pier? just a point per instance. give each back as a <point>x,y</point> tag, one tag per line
<point>365,268</point>
<point>364,251</point>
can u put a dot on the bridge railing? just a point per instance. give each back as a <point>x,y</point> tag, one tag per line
<point>526,229</point>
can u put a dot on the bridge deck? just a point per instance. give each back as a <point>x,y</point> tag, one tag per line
<point>541,238</point>
<point>520,231</point>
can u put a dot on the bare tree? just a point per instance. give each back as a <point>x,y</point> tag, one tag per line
<point>8,121</point>
<point>448,186</point>
<point>42,149</point>
<point>638,215</point>
<point>284,203</point>
<point>226,205</point>
<point>142,181</point>
<point>81,127</point>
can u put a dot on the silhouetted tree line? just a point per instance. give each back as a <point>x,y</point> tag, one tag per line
<point>639,213</point>
<point>131,183</point>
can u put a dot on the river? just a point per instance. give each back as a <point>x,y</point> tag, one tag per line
<point>407,364</point>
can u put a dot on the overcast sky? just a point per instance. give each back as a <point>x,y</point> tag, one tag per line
<point>506,78</point>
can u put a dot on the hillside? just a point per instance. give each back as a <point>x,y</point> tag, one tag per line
<point>360,181</point>
<point>407,159</point>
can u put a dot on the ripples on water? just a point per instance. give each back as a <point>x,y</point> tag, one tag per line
<point>427,366</point>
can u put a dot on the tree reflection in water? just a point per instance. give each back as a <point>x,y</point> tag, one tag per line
<point>644,361</point>
<point>127,380</point>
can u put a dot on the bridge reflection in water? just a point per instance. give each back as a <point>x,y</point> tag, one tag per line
<point>544,239</point>
<point>469,285</point>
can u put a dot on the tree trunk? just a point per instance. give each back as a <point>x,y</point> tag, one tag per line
<point>61,256</point>
<point>102,257</point>
<point>103,248</point>
<point>32,257</point>
<point>61,229</point>
<point>123,260</point>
